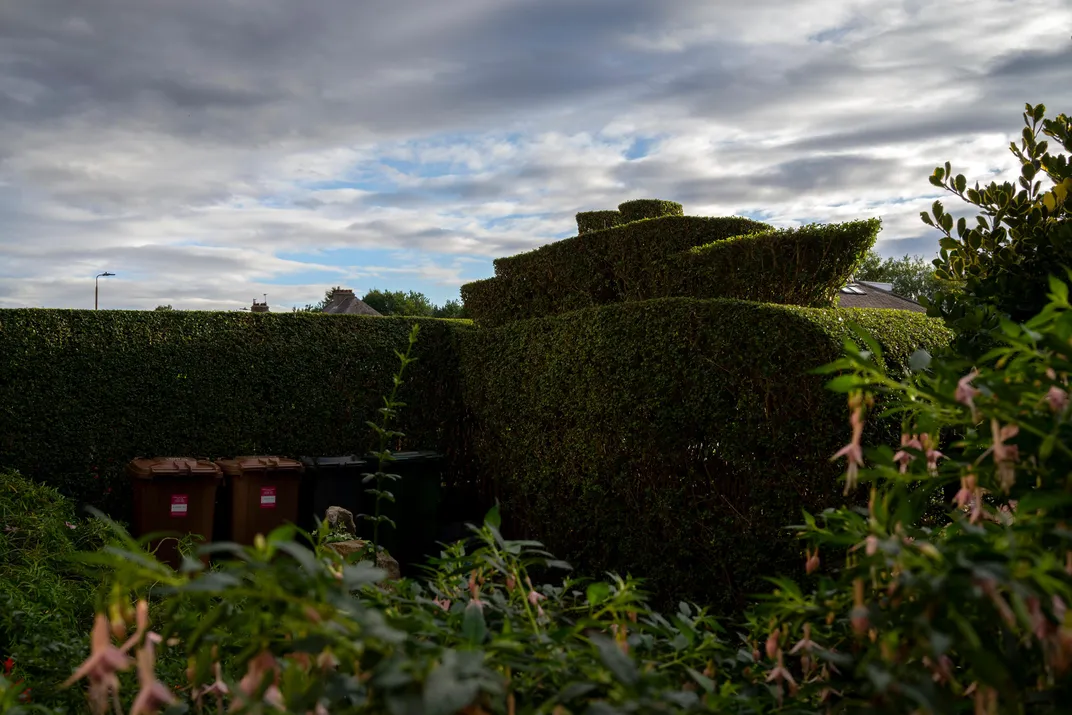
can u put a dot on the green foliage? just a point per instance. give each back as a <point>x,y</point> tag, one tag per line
<point>804,266</point>
<point>967,614</point>
<point>319,306</point>
<point>83,392</point>
<point>46,599</point>
<point>387,436</point>
<point>452,310</point>
<point>1024,231</point>
<point>639,209</point>
<point>671,438</point>
<point>912,277</point>
<point>397,302</point>
<point>163,307</point>
<point>309,631</point>
<point>600,268</point>
<point>588,221</point>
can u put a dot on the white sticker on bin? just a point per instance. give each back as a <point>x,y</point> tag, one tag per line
<point>180,504</point>
<point>267,497</point>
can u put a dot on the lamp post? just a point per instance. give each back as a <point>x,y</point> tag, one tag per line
<point>96,287</point>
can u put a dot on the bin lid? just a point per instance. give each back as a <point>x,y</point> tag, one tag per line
<point>416,455</point>
<point>243,465</point>
<point>348,460</point>
<point>148,468</point>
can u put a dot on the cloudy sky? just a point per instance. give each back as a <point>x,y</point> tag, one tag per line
<point>211,151</point>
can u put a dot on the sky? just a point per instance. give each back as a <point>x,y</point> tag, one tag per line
<point>212,152</point>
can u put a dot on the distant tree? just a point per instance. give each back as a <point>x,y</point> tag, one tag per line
<point>163,307</point>
<point>396,302</point>
<point>451,309</point>
<point>318,307</point>
<point>912,276</point>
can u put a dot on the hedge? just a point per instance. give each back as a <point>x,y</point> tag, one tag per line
<point>803,266</point>
<point>673,439</point>
<point>597,269</point>
<point>83,392</point>
<point>588,221</point>
<point>639,209</point>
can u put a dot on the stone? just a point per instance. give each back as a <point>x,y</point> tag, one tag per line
<point>383,559</point>
<point>340,519</point>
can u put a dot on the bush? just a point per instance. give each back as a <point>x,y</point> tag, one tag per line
<point>588,221</point>
<point>639,209</point>
<point>669,438</point>
<point>969,613</point>
<point>83,392</point>
<point>1022,234</point>
<point>46,599</point>
<point>601,268</point>
<point>805,266</point>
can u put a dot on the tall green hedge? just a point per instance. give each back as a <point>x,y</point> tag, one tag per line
<point>588,221</point>
<point>599,268</point>
<point>83,392</point>
<point>804,266</point>
<point>674,438</point>
<point>639,209</point>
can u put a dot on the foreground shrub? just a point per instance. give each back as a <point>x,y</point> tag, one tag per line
<point>968,613</point>
<point>279,627</point>
<point>1022,234</point>
<point>46,599</point>
<point>673,439</point>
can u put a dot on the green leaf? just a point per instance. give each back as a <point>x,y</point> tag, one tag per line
<point>919,361</point>
<point>474,627</point>
<point>492,518</point>
<point>1058,289</point>
<point>597,592</point>
<point>702,680</point>
<point>445,693</point>
<point>618,663</point>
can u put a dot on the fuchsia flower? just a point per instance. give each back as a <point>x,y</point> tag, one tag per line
<point>1057,398</point>
<point>100,668</point>
<point>260,666</point>
<point>965,393</point>
<point>920,443</point>
<point>853,451</point>
<point>152,694</point>
<point>1005,455</point>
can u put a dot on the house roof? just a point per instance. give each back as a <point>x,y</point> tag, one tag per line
<point>865,294</point>
<point>343,301</point>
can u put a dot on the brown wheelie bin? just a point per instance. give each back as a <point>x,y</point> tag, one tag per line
<point>262,493</point>
<point>174,494</point>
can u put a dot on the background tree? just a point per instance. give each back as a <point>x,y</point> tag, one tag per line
<point>451,309</point>
<point>319,306</point>
<point>396,302</point>
<point>912,276</point>
<point>164,307</point>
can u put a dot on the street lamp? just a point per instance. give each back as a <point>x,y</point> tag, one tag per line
<point>96,287</point>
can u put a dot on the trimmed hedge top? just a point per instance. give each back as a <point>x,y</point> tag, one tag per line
<point>672,256</point>
<point>588,221</point>
<point>640,209</point>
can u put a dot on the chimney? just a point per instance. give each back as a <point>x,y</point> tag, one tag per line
<point>342,294</point>
<point>259,307</point>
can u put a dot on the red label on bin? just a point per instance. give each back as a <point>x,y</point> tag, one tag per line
<point>180,504</point>
<point>267,497</point>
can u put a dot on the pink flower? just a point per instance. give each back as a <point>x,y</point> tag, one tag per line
<point>1057,398</point>
<point>772,643</point>
<point>805,644</point>
<point>903,457</point>
<point>258,671</point>
<point>965,393</point>
<point>444,603</point>
<point>871,543</point>
<point>812,563</point>
<point>932,454</point>
<point>100,668</point>
<point>853,451</point>
<point>152,695</point>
